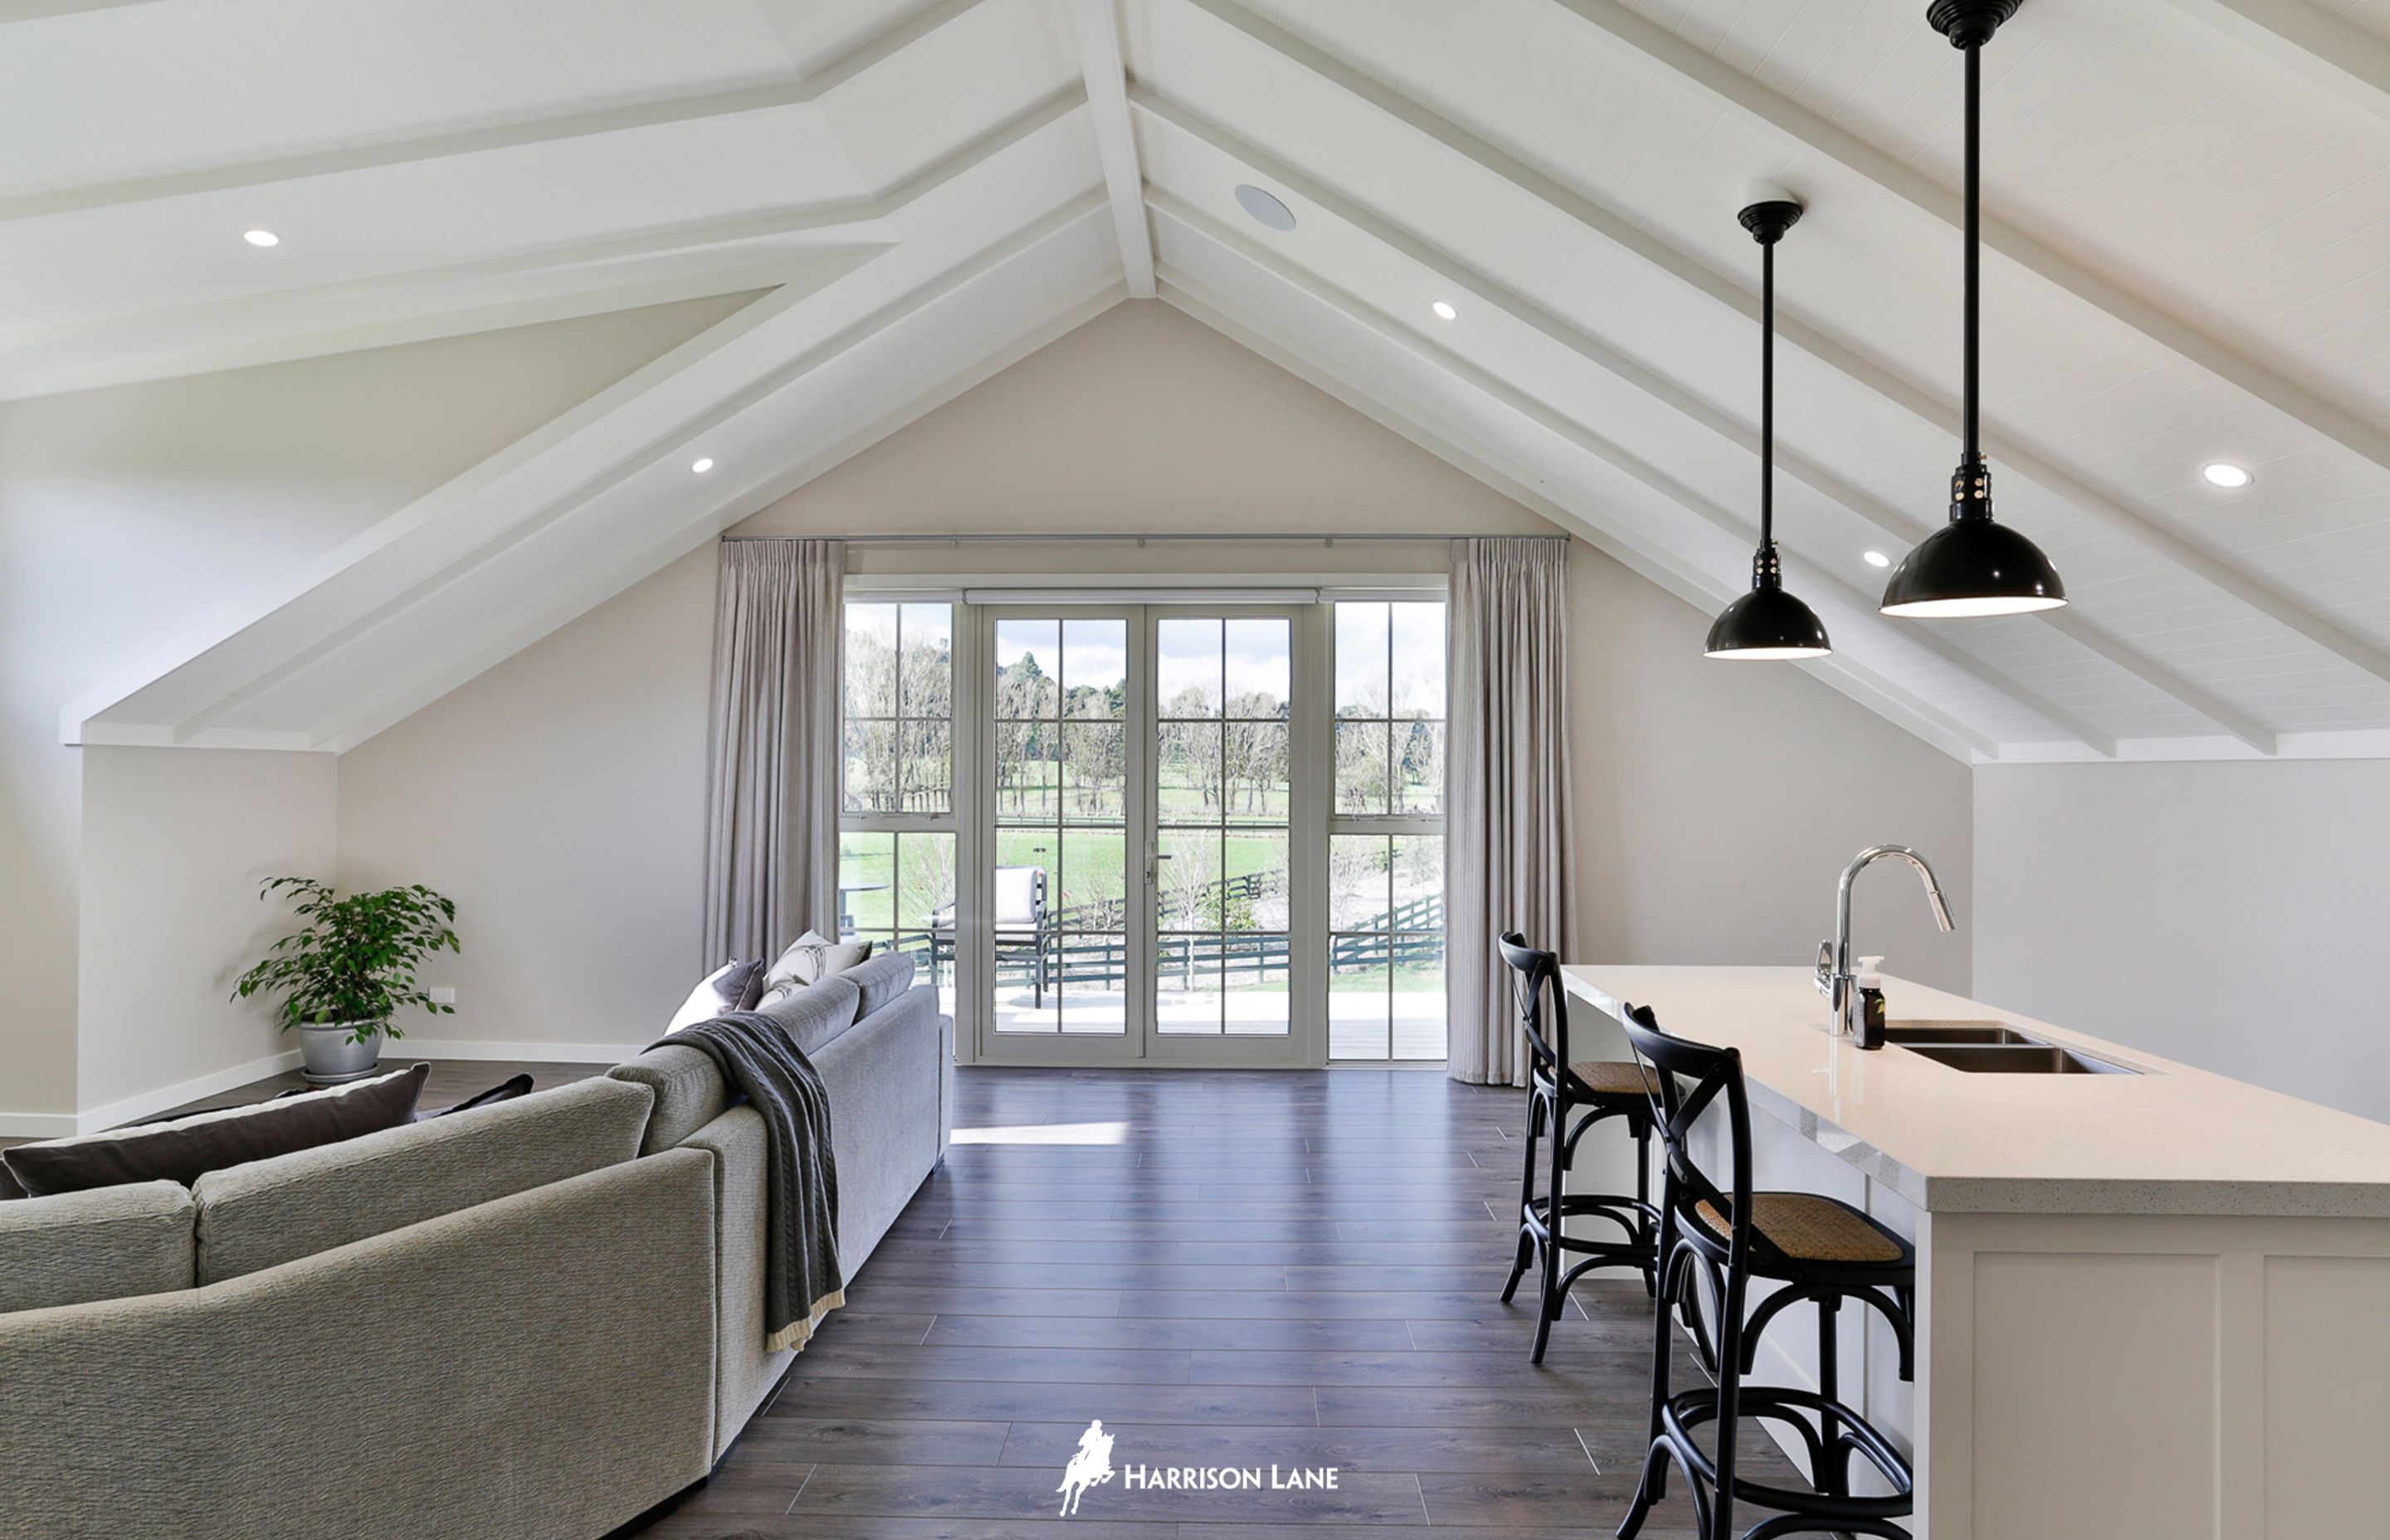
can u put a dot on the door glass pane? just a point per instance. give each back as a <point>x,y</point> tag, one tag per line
<point>925,909</point>
<point>1254,771</point>
<point>866,875</point>
<point>1259,667</point>
<point>1254,998</point>
<point>1186,668</point>
<point>1418,887</point>
<point>1095,772</point>
<point>1253,880</point>
<point>1188,765</point>
<point>1187,884</point>
<point>1094,668</point>
<point>1028,653</point>
<point>1026,770</point>
<point>1187,986</point>
<point>1023,990</point>
<point>1092,969</point>
<point>926,759</point>
<point>1091,893</point>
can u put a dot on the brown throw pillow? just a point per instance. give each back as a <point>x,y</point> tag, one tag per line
<point>186,1147</point>
<point>733,986</point>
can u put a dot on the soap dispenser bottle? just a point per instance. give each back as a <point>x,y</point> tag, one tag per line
<point>1872,1011</point>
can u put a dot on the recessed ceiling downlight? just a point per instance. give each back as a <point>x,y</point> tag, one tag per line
<point>700,466</point>
<point>1265,207</point>
<point>1445,311</point>
<point>260,238</point>
<point>2222,473</point>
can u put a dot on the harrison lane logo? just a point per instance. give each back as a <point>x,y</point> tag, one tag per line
<point>1092,1466</point>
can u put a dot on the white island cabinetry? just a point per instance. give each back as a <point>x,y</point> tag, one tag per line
<point>2152,1304</point>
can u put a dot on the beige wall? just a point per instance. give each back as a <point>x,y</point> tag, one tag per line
<point>2227,914</point>
<point>560,797</point>
<point>175,843</point>
<point>129,516</point>
<point>1717,803</point>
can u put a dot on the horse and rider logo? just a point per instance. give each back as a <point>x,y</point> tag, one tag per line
<point>1092,1466</point>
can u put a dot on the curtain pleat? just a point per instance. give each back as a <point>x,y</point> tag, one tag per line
<point>772,801</point>
<point>1507,830</point>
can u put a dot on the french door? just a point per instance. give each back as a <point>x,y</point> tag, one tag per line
<point>1150,784</point>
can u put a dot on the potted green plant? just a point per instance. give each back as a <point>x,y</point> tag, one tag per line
<point>350,969</point>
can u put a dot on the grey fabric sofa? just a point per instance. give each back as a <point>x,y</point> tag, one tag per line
<point>537,1318</point>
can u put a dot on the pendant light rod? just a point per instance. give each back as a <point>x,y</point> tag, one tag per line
<point>1768,394</point>
<point>1971,344</point>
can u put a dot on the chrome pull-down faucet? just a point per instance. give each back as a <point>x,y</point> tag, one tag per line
<point>1835,978</point>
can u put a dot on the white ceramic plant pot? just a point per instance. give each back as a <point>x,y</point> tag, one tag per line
<point>327,1057</point>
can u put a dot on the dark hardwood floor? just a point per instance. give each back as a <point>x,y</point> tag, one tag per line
<point>1228,1269</point>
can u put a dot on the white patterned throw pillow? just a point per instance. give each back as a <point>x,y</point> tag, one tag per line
<point>811,959</point>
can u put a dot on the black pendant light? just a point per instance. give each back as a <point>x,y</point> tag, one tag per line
<point>1971,566</point>
<point>1767,624</point>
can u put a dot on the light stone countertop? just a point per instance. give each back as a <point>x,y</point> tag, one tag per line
<point>2170,1140</point>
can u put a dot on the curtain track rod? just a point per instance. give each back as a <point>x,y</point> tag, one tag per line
<point>1110,538</point>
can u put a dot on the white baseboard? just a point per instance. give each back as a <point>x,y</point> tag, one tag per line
<point>58,1125</point>
<point>411,1047</point>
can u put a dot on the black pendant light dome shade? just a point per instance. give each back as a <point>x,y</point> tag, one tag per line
<point>1971,566</point>
<point>1767,624</point>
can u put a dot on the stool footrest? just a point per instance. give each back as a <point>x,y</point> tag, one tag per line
<point>1689,1409</point>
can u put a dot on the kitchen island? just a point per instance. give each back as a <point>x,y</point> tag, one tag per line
<point>2153,1301</point>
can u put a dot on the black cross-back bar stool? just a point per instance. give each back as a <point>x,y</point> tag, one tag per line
<point>1556,1091</point>
<point>1817,1249</point>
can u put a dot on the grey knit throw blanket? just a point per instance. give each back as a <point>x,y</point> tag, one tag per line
<point>802,1281</point>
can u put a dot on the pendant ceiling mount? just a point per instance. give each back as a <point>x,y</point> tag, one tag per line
<point>1972,565</point>
<point>1767,624</point>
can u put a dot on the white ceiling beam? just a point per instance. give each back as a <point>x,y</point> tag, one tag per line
<point>196,722</point>
<point>1912,396</point>
<point>474,141</point>
<point>1456,274</point>
<point>540,615</point>
<point>1729,88</point>
<point>44,10</point>
<point>1106,76</point>
<point>1361,312</point>
<point>2341,58</point>
<point>368,306</point>
<point>1562,506</point>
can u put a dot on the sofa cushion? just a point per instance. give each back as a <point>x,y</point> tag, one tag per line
<point>689,1092</point>
<point>107,1243</point>
<point>884,980</point>
<point>813,959</point>
<point>267,1212</point>
<point>180,1151</point>
<point>813,1016</point>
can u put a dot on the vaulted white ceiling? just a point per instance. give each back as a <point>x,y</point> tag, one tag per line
<point>2187,205</point>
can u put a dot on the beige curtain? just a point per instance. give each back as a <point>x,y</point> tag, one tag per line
<point>771,817</point>
<point>1507,835</point>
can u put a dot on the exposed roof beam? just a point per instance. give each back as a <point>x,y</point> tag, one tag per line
<point>1581,516</point>
<point>2341,58</point>
<point>1726,86</point>
<point>474,141</point>
<point>43,11</point>
<point>1616,456</point>
<point>541,614</point>
<point>1100,65</point>
<point>1457,273</point>
<point>634,460</point>
<point>1912,396</point>
<point>868,223</point>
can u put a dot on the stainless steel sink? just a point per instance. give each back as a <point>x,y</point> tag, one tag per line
<point>2021,1058</point>
<point>1953,1031</point>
